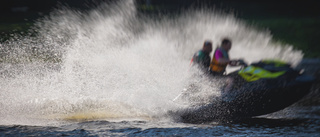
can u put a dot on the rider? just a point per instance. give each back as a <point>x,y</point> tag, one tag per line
<point>202,57</point>
<point>220,61</point>
<point>221,58</point>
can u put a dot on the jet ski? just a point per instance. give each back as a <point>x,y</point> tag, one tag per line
<point>259,88</point>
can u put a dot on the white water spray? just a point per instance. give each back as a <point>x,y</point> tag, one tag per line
<point>110,64</point>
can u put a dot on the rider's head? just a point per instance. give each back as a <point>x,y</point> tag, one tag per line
<point>207,46</point>
<point>226,44</point>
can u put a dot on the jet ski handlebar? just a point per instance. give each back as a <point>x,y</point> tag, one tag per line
<point>239,62</point>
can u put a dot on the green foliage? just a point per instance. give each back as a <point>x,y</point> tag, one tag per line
<point>302,33</point>
<point>288,23</point>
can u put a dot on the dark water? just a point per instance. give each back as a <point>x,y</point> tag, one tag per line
<point>298,126</point>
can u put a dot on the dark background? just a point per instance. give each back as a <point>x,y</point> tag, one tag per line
<point>293,22</point>
<point>282,7</point>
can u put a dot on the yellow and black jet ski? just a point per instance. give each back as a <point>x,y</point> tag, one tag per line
<point>260,88</point>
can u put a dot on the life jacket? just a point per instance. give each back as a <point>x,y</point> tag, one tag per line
<point>215,66</point>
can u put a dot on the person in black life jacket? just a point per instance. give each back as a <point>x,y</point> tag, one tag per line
<point>202,57</point>
<point>221,59</point>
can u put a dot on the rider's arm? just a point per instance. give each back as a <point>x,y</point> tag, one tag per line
<point>223,61</point>
<point>239,62</point>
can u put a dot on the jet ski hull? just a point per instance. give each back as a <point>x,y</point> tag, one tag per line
<point>251,99</point>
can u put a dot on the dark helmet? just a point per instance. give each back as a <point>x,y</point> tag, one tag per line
<point>207,43</point>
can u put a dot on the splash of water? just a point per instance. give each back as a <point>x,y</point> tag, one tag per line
<point>111,64</point>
